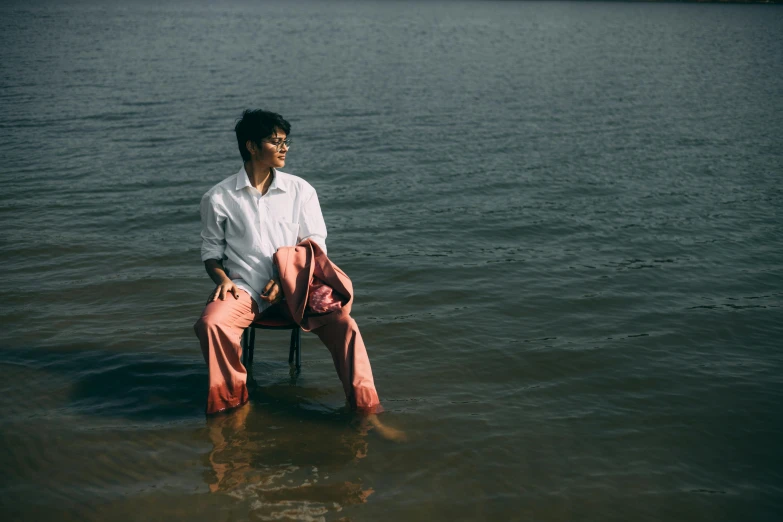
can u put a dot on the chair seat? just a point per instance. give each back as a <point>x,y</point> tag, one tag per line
<point>274,323</point>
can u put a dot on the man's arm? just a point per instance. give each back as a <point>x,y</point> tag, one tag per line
<point>224,284</point>
<point>213,245</point>
<point>311,222</point>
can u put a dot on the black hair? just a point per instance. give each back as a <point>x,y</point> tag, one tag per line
<point>255,125</point>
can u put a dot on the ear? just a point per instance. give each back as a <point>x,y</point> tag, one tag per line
<point>251,147</point>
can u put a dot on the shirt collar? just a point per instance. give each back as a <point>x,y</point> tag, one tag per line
<point>243,181</point>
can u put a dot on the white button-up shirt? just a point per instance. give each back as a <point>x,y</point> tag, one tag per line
<point>244,229</point>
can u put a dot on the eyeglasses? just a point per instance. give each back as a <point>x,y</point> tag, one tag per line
<point>278,143</point>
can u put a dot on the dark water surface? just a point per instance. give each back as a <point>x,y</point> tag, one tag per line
<point>563,222</point>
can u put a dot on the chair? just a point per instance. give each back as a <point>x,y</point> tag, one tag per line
<point>249,337</point>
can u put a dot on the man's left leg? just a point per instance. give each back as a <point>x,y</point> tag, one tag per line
<point>344,341</point>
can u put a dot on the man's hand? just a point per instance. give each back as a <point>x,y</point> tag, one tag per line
<point>272,292</point>
<point>224,283</point>
<point>223,289</point>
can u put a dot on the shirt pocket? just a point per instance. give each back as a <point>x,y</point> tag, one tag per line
<point>283,233</point>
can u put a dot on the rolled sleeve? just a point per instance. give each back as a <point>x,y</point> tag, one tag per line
<point>311,222</point>
<point>213,233</point>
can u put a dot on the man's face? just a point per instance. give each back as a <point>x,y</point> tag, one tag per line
<point>271,151</point>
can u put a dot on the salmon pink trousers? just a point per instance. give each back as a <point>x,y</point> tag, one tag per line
<point>220,330</point>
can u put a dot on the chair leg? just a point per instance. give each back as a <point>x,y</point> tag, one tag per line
<point>298,334</point>
<point>251,343</point>
<point>245,339</point>
<point>292,347</point>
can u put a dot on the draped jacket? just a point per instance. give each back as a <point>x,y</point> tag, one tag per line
<point>297,265</point>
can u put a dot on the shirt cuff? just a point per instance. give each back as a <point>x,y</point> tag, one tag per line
<point>212,253</point>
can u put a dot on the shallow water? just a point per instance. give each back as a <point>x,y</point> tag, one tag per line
<point>562,220</point>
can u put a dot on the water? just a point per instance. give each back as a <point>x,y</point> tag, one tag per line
<point>562,221</point>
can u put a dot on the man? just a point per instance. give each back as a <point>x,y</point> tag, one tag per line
<point>245,219</point>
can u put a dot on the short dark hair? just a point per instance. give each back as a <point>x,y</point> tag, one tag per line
<point>255,125</point>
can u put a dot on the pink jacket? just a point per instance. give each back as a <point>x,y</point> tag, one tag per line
<point>296,266</point>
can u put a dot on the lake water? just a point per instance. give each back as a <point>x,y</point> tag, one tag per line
<point>563,222</point>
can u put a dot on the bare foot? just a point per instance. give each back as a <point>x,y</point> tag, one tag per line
<point>384,431</point>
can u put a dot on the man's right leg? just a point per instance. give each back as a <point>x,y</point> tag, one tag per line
<point>219,330</point>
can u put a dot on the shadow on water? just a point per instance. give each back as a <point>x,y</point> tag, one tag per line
<point>146,386</point>
<point>142,390</point>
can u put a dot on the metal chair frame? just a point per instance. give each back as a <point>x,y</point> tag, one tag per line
<point>294,350</point>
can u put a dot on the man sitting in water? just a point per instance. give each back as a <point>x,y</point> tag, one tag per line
<point>245,219</point>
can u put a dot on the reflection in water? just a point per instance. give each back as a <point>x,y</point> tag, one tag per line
<point>280,478</point>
